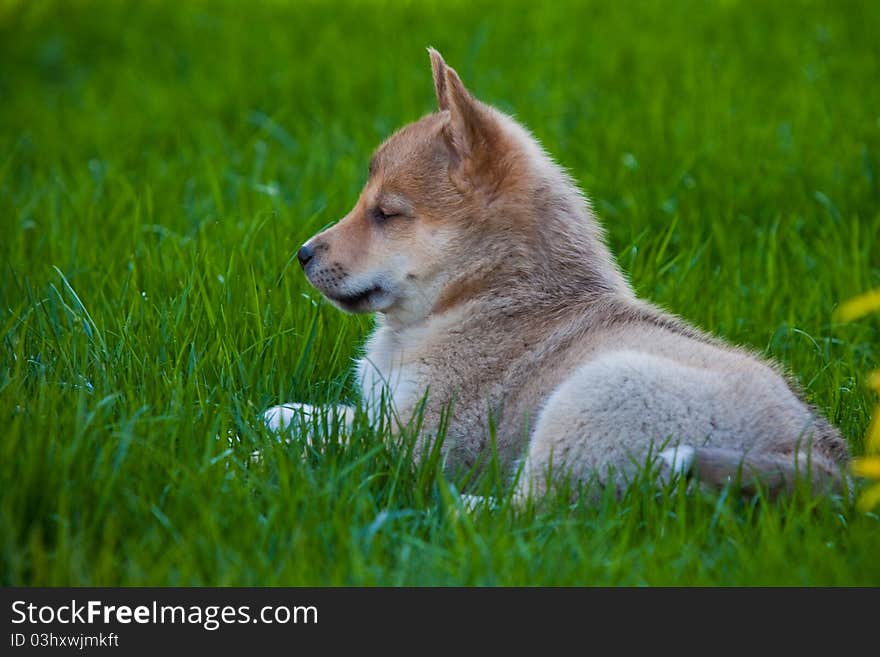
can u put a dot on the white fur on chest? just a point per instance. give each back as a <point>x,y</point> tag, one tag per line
<point>388,373</point>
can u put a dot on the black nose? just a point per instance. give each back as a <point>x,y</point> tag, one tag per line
<point>305,254</point>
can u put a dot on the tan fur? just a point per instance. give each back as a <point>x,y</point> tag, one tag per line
<point>495,292</point>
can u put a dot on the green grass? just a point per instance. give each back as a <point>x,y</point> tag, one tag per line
<point>160,163</point>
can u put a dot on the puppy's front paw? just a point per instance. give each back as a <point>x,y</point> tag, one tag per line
<point>278,418</point>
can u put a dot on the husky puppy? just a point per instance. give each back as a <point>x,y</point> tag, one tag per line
<point>495,294</point>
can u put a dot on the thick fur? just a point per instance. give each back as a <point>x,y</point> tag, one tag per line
<point>494,292</point>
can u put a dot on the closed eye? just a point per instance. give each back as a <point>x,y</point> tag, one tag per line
<point>380,214</point>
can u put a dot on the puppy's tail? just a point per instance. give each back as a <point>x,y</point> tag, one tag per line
<point>773,473</point>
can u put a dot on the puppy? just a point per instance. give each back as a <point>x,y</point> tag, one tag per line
<point>496,296</point>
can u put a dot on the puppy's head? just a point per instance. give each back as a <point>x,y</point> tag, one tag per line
<point>415,231</point>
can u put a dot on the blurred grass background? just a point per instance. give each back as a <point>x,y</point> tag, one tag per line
<point>160,163</point>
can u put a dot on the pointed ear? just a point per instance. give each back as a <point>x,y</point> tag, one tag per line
<point>438,69</point>
<point>473,134</point>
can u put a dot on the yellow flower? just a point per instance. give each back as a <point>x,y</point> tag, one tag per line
<point>867,466</point>
<point>872,441</point>
<point>859,306</point>
<point>869,498</point>
<point>874,380</point>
